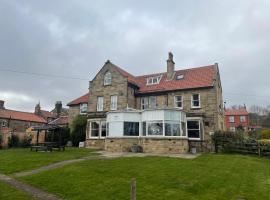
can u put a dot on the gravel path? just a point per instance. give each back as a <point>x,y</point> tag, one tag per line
<point>33,191</point>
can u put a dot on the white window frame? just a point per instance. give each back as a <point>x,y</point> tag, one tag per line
<point>232,129</point>
<point>192,101</point>
<point>108,78</point>
<point>176,101</point>
<point>243,118</point>
<point>99,129</point>
<point>152,104</point>
<point>90,129</point>
<point>231,119</point>
<point>144,103</point>
<point>113,105</point>
<point>4,123</point>
<point>200,127</point>
<point>100,102</point>
<point>153,80</point>
<point>81,107</point>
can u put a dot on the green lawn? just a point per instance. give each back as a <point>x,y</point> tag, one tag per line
<point>9,193</point>
<point>15,160</point>
<point>207,177</point>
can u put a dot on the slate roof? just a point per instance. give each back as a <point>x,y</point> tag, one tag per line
<point>63,120</point>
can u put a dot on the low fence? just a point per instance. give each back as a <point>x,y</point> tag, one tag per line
<point>234,144</point>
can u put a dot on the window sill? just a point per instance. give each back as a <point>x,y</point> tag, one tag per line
<point>194,108</point>
<point>197,139</point>
<point>180,108</point>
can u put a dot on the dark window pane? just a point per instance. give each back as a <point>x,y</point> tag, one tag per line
<point>144,128</point>
<point>131,128</point>
<point>168,129</point>
<point>195,97</point>
<point>193,124</point>
<point>94,125</point>
<point>94,132</point>
<point>196,103</point>
<point>194,133</point>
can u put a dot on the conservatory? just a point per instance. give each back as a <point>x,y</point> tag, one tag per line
<point>147,123</point>
<point>154,131</point>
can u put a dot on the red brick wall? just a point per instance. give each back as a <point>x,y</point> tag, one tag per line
<point>236,122</point>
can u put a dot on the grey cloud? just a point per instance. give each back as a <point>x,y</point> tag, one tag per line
<point>75,38</point>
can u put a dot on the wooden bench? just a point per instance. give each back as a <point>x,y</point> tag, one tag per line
<point>40,148</point>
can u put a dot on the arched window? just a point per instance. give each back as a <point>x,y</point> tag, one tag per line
<point>108,78</point>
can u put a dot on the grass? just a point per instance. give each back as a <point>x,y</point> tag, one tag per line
<point>207,177</point>
<point>16,160</point>
<point>9,193</point>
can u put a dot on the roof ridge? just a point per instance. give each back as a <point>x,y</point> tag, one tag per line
<point>19,111</point>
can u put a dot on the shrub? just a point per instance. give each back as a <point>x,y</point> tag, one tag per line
<point>13,141</point>
<point>1,139</point>
<point>78,129</point>
<point>264,134</point>
<point>26,141</point>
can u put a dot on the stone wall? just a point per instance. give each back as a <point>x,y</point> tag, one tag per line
<point>19,125</point>
<point>72,113</point>
<point>118,87</point>
<point>95,144</point>
<point>149,145</point>
<point>7,132</point>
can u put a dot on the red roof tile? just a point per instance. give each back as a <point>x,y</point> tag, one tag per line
<point>63,120</point>
<point>241,111</point>
<point>82,99</point>
<point>132,79</point>
<point>193,78</point>
<point>18,115</point>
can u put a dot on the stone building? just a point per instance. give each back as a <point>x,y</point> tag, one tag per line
<point>78,106</point>
<point>194,93</point>
<point>49,116</point>
<point>17,122</point>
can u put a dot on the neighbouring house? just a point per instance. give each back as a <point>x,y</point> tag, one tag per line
<point>236,118</point>
<point>49,116</point>
<point>161,112</point>
<point>61,121</point>
<point>78,106</point>
<point>16,122</point>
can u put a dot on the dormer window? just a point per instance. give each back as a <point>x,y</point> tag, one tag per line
<point>179,76</point>
<point>153,80</point>
<point>108,78</point>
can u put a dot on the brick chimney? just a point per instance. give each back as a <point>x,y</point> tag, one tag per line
<point>2,104</point>
<point>170,67</point>
<point>58,108</point>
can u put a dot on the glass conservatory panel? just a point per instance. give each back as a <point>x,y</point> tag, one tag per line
<point>155,128</point>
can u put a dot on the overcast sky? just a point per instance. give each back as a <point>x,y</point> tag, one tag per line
<point>74,38</point>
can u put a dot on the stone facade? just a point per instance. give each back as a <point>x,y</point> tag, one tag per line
<point>149,145</point>
<point>210,111</point>
<point>73,112</point>
<point>18,125</point>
